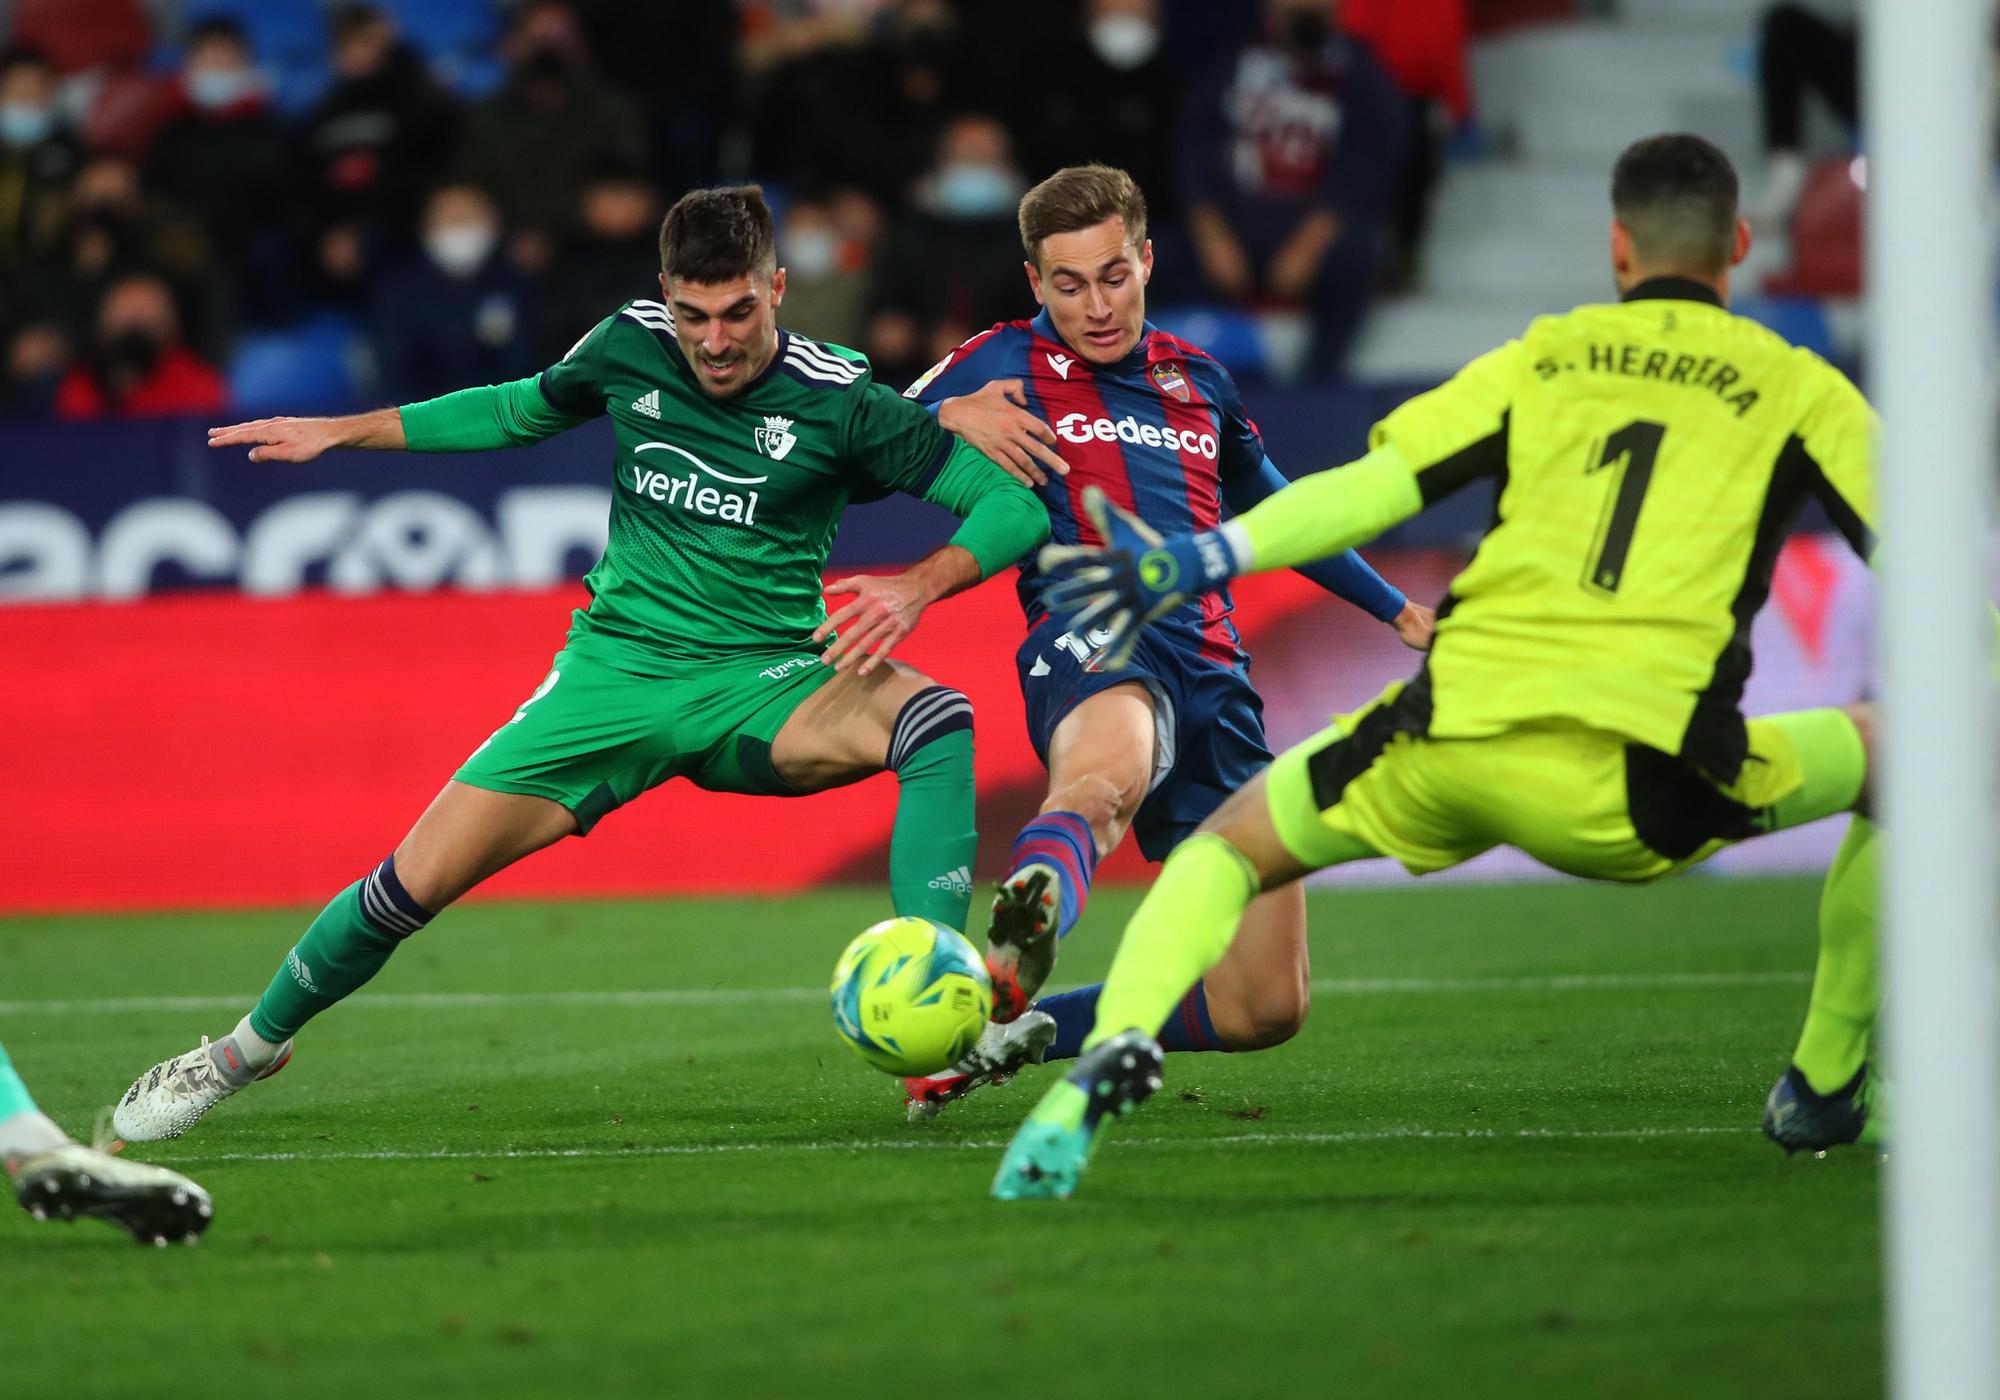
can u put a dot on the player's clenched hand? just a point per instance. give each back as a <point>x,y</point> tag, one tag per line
<point>281,439</point>
<point>881,613</point>
<point>997,422</point>
<point>1415,625</point>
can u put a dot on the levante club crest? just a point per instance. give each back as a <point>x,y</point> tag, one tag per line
<point>775,438</point>
<point>1171,379</point>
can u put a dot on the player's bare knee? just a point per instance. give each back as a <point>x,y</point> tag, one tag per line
<point>1262,1015</point>
<point>1102,800</point>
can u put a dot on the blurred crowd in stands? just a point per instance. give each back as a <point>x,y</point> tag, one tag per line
<point>444,192</point>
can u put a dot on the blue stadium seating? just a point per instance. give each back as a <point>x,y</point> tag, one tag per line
<point>307,368</point>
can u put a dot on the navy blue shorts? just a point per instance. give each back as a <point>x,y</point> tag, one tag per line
<point>1210,723</point>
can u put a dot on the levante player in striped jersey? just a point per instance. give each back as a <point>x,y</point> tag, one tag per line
<point>1089,394</point>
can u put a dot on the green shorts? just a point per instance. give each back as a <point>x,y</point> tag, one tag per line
<point>593,736</point>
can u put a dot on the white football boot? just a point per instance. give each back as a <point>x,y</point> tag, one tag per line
<point>1002,1052</point>
<point>167,1099</point>
<point>152,1204</point>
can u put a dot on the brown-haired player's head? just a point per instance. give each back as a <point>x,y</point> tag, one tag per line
<point>719,273</point>
<point>1084,231</point>
<point>1673,212</point>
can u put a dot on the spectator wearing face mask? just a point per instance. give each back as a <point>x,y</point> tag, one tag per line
<point>223,159</point>
<point>953,266</point>
<point>37,159</point>
<point>613,258</point>
<point>1289,160</point>
<point>458,312</point>
<point>1113,98</point>
<point>370,147</point>
<point>536,142</point>
<point>34,356</point>
<point>138,366</point>
<point>113,228</point>
<point>826,282</point>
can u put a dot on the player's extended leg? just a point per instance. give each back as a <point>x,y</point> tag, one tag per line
<point>1822,1098</point>
<point>1101,759</point>
<point>1181,930</point>
<point>466,834</point>
<point>56,1179</point>
<point>897,719</point>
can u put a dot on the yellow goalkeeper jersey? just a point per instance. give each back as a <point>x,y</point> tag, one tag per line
<point>1650,456</point>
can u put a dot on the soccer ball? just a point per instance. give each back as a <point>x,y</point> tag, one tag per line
<point>910,996</point>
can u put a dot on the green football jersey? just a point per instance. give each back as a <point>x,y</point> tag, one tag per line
<point>723,510</point>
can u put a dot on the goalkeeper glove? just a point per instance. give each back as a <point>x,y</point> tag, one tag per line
<point>1137,577</point>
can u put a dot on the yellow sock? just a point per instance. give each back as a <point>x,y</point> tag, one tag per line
<point>1182,929</point>
<point>1842,1012</point>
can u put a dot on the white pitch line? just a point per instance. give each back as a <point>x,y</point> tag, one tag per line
<point>736,996</point>
<point>709,1149</point>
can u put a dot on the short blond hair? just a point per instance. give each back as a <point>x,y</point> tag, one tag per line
<point>1079,197</point>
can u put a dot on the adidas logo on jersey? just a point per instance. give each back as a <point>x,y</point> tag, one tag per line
<point>957,881</point>
<point>1060,364</point>
<point>1074,427</point>
<point>648,403</point>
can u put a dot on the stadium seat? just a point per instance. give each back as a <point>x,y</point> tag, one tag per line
<point>307,368</point>
<point>1800,320</point>
<point>448,28</point>
<point>1230,335</point>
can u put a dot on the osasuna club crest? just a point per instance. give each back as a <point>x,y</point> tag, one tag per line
<point>1171,379</point>
<point>775,438</point>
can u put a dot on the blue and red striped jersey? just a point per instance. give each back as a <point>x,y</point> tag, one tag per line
<point>1162,431</point>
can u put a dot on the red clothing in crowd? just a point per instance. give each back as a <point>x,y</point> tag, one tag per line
<point>1420,42</point>
<point>182,382</point>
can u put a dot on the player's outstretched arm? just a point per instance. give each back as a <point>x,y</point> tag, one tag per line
<point>1002,522</point>
<point>303,439</point>
<point>1140,576</point>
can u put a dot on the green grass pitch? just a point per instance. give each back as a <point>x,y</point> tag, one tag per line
<point>613,1149</point>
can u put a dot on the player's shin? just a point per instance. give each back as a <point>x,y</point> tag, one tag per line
<point>1181,930</point>
<point>1187,1027</point>
<point>1834,1042</point>
<point>932,846</point>
<point>345,946</point>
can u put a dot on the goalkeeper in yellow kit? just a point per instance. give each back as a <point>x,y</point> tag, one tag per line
<point>1581,699</point>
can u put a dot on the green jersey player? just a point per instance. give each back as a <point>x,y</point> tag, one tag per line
<point>704,652</point>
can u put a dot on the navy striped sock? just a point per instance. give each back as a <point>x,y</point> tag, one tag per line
<point>1061,839</point>
<point>388,906</point>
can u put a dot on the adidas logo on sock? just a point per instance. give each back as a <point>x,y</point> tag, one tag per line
<point>958,881</point>
<point>301,973</point>
<point>648,403</point>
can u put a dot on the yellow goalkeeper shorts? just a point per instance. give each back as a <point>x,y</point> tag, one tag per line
<point>1577,799</point>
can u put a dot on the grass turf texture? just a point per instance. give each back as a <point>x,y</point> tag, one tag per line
<point>1474,1187</point>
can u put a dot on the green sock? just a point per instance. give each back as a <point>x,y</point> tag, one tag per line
<point>1842,1011</point>
<point>339,952</point>
<point>934,841</point>
<point>1183,928</point>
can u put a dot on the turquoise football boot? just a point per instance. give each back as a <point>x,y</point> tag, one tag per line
<point>1047,1156</point>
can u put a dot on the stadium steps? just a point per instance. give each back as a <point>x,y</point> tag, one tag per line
<point>1522,232</point>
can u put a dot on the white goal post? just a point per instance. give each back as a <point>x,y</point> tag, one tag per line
<point>1928,113</point>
